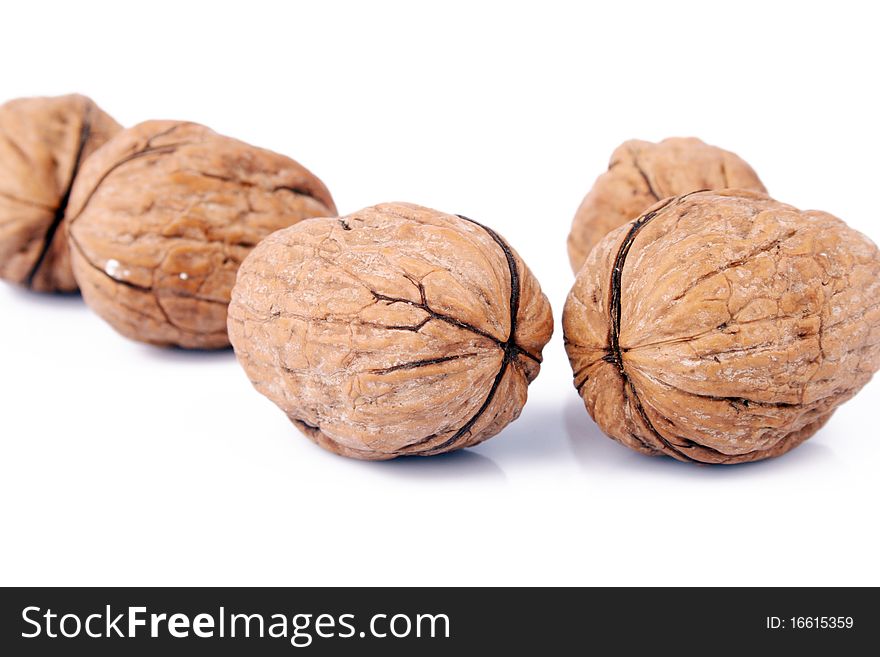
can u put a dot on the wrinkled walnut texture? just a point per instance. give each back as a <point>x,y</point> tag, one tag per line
<point>163,215</point>
<point>640,174</point>
<point>723,327</point>
<point>396,330</point>
<point>43,143</point>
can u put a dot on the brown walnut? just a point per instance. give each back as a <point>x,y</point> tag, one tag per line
<point>397,330</point>
<point>43,143</point>
<point>723,327</point>
<point>640,174</point>
<point>162,216</point>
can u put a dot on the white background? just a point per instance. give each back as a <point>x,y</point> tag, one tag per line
<point>126,464</point>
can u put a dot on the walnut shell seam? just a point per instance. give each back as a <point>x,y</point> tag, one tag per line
<point>615,356</point>
<point>61,209</point>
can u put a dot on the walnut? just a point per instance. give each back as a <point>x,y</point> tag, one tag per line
<point>163,215</point>
<point>396,330</point>
<point>723,327</point>
<point>642,173</point>
<point>43,142</point>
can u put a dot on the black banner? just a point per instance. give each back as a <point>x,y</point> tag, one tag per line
<point>277,621</point>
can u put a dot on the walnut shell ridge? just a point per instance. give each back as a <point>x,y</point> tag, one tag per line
<point>163,215</point>
<point>723,327</point>
<point>397,330</point>
<point>43,143</point>
<point>641,173</point>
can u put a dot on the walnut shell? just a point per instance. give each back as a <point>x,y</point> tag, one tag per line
<point>640,174</point>
<point>396,330</point>
<point>43,143</point>
<point>163,215</point>
<point>723,327</point>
